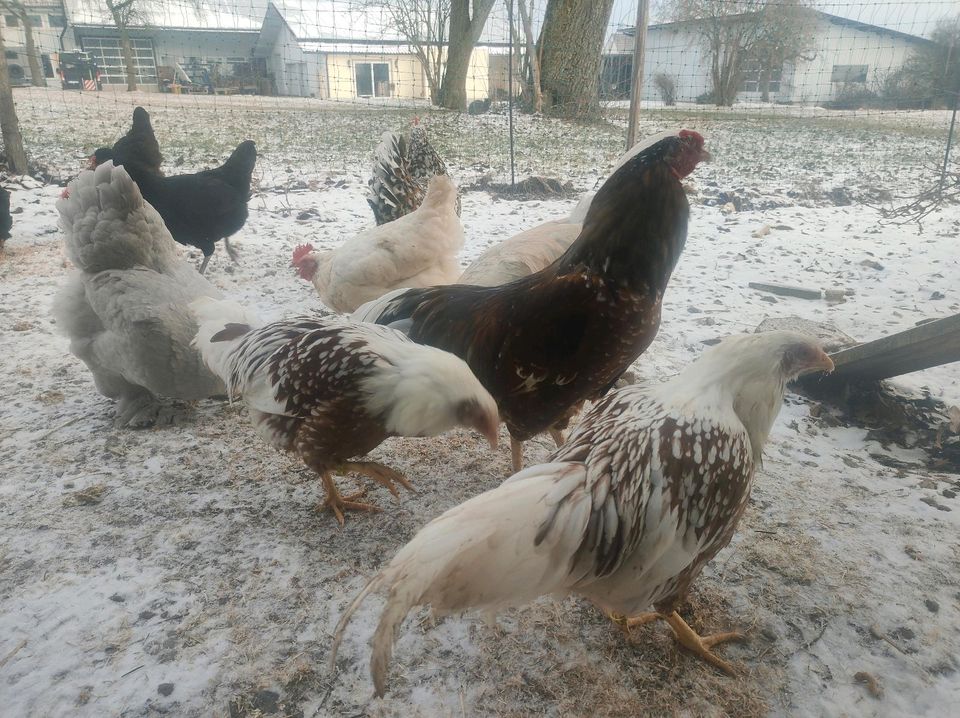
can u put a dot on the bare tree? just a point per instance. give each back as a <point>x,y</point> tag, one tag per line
<point>424,23</point>
<point>465,29</point>
<point>19,10</point>
<point>533,57</point>
<point>570,47</point>
<point>735,32</point>
<point>9,124</point>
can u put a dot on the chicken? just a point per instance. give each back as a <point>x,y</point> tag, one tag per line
<point>526,253</point>
<point>401,172</point>
<point>543,344</point>
<point>138,145</point>
<point>6,220</point>
<point>126,309</point>
<point>199,209</point>
<point>418,250</point>
<point>649,487</point>
<point>331,390</point>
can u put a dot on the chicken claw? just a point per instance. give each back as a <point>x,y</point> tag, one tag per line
<point>338,504</point>
<point>383,475</point>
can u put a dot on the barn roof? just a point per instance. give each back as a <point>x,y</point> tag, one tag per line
<point>833,19</point>
<point>211,15</point>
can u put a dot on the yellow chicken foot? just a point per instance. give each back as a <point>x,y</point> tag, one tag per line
<point>686,636</point>
<point>381,474</point>
<point>338,504</point>
<point>516,454</point>
<point>625,624</point>
<point>701,645</point>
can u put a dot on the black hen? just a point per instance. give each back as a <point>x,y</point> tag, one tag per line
<point>6,221</point>
<point>138,145</point>
<point>201,209</point>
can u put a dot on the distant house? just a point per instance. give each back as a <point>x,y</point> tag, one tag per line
<point>49,21</point>
<point>847,55</point>
<point>174,42</point>
<point>362,55</point>
<point>338,51</point>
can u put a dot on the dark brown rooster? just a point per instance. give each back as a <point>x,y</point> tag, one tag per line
<point>543,344</point>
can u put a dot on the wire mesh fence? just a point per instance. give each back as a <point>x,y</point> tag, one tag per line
<point>315,82</point>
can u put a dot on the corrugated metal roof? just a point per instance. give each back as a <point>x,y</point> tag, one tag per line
<point>180,14</point>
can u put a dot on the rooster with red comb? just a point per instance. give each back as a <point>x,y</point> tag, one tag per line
<point>543,344</point>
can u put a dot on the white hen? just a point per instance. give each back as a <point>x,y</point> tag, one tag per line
<point>528,252</point>
<point>126,311</point>
<point>649,487</point>
<point>417,250</point>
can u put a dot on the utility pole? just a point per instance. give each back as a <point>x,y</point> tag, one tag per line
<point>639,47</point>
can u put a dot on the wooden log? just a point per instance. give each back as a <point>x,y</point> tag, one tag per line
<point>786,290</point>
<point>922,347</point>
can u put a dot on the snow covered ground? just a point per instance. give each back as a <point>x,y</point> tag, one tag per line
<point>181,570</point>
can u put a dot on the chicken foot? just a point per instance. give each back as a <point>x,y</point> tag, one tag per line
<point>688,638</point>
<point>516,448</point>
<point>338,503</point>
<point>231,252</point>
<point>383,475</point>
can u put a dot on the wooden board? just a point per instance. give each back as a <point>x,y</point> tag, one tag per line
<point>923,347</point>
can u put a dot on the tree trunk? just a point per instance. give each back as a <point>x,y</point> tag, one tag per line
<point>464,33</point>
<point>126,49</point>
<point>9,124</point>
<point>532,56</point>
<point>37,78</point>
<point>571,44</point>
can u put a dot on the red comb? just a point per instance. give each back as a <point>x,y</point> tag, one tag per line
<point>301,251</point>
<point>416,120</point>
<point>692,134</point>
<point>65,194</point>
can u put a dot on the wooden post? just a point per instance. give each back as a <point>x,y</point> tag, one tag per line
<point>639,47</point>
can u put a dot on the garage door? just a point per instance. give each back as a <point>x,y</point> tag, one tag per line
<point>105,51</point>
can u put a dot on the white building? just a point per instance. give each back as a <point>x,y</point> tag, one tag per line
<point>846,55</point>
<point>49,21</point>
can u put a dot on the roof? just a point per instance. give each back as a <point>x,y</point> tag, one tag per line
<point>180,15</point>
<point>833,19</point>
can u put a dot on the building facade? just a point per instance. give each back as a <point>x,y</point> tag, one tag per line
<point>845,56</point>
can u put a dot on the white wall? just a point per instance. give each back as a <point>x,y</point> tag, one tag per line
<point>678,52</point>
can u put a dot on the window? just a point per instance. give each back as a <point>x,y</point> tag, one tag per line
<point>753,78</point>
<point>57,20</point>
<point>849,73</point>
<point>35,20</point>
<point>11,54</point>
<point>105,52</point>
<point>373,79</point>
<point>11,20</point>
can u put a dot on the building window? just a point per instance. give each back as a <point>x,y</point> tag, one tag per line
<point>35,20</point>
<point>106,53</point>
<point>10,54</point>
<point>57,20</point>
<point>373,79</point>
<point>753,78</point>
<point>849,73</point>
<point>11,21</point>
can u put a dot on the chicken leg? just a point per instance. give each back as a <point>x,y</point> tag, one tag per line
<point>516,454</point>
<point>231,252</point>
<point>338,504</point>
<point>383,475</point>
<point>688,638</point>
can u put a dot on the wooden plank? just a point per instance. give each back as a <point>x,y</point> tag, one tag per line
<point>786,290</point>
<point>923,347</point>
